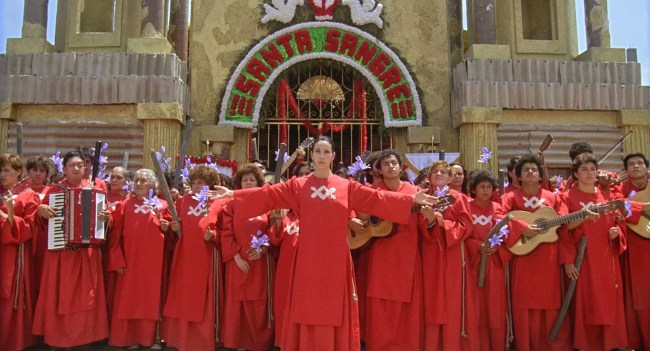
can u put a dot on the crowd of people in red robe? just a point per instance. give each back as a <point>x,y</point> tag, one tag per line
<point>239,264</point>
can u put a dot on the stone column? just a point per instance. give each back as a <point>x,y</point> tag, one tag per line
<point>637,121</point>
<point>455,24</point>
<point>597,23</point>
<point>478,129</point>
<point>152,40</point>
<point>162,127</point>
<point>178,27</point>
<point>34,30</point>
<point>7,114</point>
<point>485,27</point>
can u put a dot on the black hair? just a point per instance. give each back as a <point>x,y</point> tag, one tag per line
<point>465,185</point>
<point>299,166</point>
<point>326,139</point>
<point>579,148</point>
<point>635,154</point>
<point>530,158</point>
<point>581,159</point>
<point>384,154</point>
<point>71,154</point>
<point>511,166</point>
<point>479,176</point>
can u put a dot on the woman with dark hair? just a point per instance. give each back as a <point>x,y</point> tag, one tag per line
<point>18,206</point>
<point>323,305</point>
<point>247,318</point>
<point>38,170</point>
<point>492,298</point>
<point>194,278</point>
<point>599,316</point>
<point>459,179</point>
<point>71,306</point>
<point>137,244</point>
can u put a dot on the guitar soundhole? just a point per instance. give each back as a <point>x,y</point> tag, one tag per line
<point>374,220</point>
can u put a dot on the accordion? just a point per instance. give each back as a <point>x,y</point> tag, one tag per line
<point>76,222</point>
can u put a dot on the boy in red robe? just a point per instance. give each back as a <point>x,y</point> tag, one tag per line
<point>635,262</point>
<point>71,306</point>
<point>394,297</point>
<point>536,277</point>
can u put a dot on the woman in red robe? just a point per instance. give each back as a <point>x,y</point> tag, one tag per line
<point>137,242</point>
<point>492,296</point>
<point>247,322</point>
<point>323,304</point>
<point>117,192</point>
<point>18,206</point>
<point>71,306</point>
<point>285,234</point>
<point>189,322</point>
<point>599,315</point>
<point>451,305</point>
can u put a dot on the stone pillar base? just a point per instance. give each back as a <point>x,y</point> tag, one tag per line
<point>162,127</point>
<point>22,46</point>
<point>602,55</point>
<point>488,51</point>
<point>478,129</point>
<point>148,46</point>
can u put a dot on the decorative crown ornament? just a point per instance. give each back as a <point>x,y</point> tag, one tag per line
<point>362,11</point>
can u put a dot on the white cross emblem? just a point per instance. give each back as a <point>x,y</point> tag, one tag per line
<point>144,208</point>
<point>111,205</point>
<point>258,218</point>
<point>587,205</point>
<point>41,196</point>
<point>534,202</point>
<point>323,192</point>
<point>291,228</point>
<point>482,220</point>
<point>198,211</point>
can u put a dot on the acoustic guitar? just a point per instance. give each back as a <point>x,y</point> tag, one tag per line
<point>378,228</point>
<point>548,221</point>
<point>643,227</point>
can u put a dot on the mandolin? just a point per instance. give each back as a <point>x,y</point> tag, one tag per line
<point>548,221</point>
<point>303,146</point>
<point>378,228</point>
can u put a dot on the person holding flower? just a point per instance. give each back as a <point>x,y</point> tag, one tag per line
<point>189,316</point>
<point>247,318</point>
<point>450,304</point>
<point>492,297</point>
<point>323,313</point>
<point>137,242</point>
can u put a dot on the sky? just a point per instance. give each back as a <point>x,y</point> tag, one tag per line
<point>629,26</point>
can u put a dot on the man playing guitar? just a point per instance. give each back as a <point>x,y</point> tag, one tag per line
<point>536,277</point>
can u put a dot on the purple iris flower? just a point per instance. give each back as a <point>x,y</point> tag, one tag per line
<point>442,192</point>
<point>486,155</point>
<point>628,209</point>
<point>357,166</point>
<point>153,201</point>
<point>258,240</point>
<point>285,157</point>
<point>202,197</point>
<point>128,186</point>
<point>164,160</point>
<point>58,161</point>
<point>632,194</point>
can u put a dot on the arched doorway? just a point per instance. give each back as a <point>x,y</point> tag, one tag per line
<point>324,94</point>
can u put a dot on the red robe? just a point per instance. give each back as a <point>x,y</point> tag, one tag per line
<point>536,278</point>
<point>459,329</point>
<point>394,298</point>
<point>15,273</point>
<point>599,316</point>
<point>635,265</point>
<point>71,306</point>
<point>189,313</point>
<point>323,306</point>
<point>287,239</point>
<point>136,243</point>
<point>493,299</point>
<point>39,246</point>
<point>110,276</point>
<point>246,318</point>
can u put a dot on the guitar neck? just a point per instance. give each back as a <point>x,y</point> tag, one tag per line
<point>286,165</point>
<point>564,219</point>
